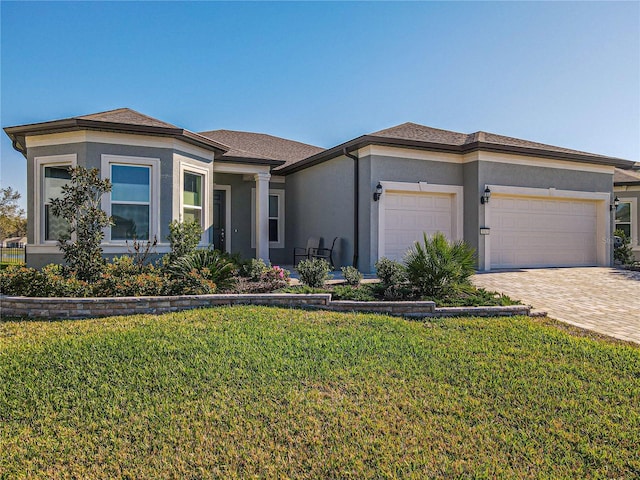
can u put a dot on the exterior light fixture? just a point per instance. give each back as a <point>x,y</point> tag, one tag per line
<point>486,195</point>
<point>378,193</point>
<point>616,202</point>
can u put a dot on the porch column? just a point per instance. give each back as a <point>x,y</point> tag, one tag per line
<point>262,215</point>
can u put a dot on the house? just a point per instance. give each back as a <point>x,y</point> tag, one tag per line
<point>626,188</point>
<point>518,203</point>
<point>14,242</point>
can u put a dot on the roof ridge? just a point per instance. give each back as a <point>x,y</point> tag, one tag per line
<point>121,109</point>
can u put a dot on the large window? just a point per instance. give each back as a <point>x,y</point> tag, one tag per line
<point>274,218</point>
<point>130,202</point>
<point>192,198</point>
<point>55,177</point>
<point>623,218</point>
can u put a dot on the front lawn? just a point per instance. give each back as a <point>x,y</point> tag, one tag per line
<point>243,392</point>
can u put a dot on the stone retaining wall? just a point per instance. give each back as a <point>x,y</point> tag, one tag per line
<point>58,308</point>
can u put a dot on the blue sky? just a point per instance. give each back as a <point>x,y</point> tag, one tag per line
<point>565,73</point>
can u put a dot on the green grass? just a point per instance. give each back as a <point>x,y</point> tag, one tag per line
<point>254,392</point>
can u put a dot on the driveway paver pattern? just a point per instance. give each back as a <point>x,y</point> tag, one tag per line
<point>605,300</point>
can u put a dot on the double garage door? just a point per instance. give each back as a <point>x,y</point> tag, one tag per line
<point>542,232</point>
<point>525,231</point>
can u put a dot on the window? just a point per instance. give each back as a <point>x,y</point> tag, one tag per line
<point>192,198</point>
<point>275,219</point>
<point>55,177</point>
<point>130,202</point>
<point>623,218</point>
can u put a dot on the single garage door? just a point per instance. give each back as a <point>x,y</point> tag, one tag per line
<point>542,232</point>
<point>408,215</point>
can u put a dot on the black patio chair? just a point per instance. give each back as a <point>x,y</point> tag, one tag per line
<point>305,252</point>
<point>326,253</point>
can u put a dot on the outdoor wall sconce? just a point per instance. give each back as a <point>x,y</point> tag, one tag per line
<point>378,193</point>
<point>616,202</point>
<point>485,196</point>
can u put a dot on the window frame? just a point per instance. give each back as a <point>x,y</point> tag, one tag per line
<point>207,197</point>
<point>68,160</point>
<point>280,193</point>
<point>633,225</point>
<point>153,164</point>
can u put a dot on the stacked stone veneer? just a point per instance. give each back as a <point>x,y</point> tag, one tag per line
<point>56,308</point>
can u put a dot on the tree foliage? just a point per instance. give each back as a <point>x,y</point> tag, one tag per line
<point>13,222</point>
<point>80,206</point>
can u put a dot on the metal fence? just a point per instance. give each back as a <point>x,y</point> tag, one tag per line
<point>13,255</point>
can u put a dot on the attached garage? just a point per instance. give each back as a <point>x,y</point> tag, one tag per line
<point>547,231</point>
<point>407,210</point>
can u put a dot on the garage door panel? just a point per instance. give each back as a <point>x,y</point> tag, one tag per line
<point>408,215</point>
<point>536,232</point>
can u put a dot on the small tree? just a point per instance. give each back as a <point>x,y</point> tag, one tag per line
<point>80,206</point>
<point>13,223</point>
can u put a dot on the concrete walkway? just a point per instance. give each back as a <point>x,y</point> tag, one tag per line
<point>605,300</point>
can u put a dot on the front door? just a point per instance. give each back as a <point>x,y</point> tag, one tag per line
<point>219,220</point>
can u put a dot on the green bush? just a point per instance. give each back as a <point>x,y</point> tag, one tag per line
<point>194,282</point>
<point>437,266</point>
<point>314,272</point>
<point>52,281</point>
<point>123,277</point>
<point>212,265</point>
<point>351,276</point>
<point>184,238</point>
<point>623,254</point>
<point>390,272</point>
<point>254,269</point>
<point>348,292</point>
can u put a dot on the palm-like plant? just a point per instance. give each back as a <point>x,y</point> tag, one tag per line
<point>213,265</point>
<point>438,266</point>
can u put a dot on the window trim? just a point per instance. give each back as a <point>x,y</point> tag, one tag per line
<point>633,223</point>
<point>154,195</point>
<point>69,160</point>
<point>281,218</point>
<point>204,174</point>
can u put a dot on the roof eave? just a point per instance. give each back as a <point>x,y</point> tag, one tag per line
<point>77,124</point>
<point>250,160</point>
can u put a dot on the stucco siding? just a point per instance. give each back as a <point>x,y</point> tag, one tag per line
<point>319,203</point>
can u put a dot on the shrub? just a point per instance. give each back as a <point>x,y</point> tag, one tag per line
<point>262,279</point>
<point>184,238</point>
<point>623,253</point>
<point>23,281</point>
<point>348,292</point>
<point>314,272</point>
<point>438,266</point>
<point>254,269</point>
<point>212,265</point>
<point>351,276</point>
<point>390,272</point>
<point>52,281</point>
<point>195,282</point>
<point>123,277</point>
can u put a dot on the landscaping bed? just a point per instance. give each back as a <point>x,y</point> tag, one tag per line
<point>243,392</point>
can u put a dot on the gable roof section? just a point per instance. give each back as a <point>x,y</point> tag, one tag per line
<point>121,120</point>
<point>626,177</point>
<point>413,135</point>
<point>261,148</point>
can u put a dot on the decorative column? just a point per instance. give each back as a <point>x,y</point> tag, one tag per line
<point>262,216</point>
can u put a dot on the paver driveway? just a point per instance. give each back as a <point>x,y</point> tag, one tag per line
<point>605,300</point>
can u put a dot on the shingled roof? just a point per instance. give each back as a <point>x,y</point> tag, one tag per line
<point>260,146</point>
<point>626,177</point>
<point>413,135</point>
<point>121,120</point>
<point>416,132</point>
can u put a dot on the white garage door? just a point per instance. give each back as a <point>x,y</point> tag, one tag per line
<point>536,232</point>
<point>408,215</point>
